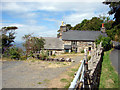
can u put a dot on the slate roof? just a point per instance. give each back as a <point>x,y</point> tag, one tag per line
<point>53,43</point>
<point>82,35</point>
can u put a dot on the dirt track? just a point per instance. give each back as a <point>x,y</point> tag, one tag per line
<point>23,74</point>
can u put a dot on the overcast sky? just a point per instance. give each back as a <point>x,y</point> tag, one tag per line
<point>43,17</point>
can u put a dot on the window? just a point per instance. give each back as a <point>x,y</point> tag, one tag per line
<point>74,42</point>
<point>67,50</point>
<point>89,48</point>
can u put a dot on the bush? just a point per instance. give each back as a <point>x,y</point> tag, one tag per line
<point>53,55</point>
<point>14,53</point>
<point>82,51</point>
<point>89,57</point>
<point>106,42</point>
<point>44,55</point>
<point>23,57</point>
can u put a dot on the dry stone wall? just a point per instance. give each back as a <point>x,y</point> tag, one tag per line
<point>94,67</point>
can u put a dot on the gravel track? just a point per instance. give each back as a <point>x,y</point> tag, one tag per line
<point>20,74</point>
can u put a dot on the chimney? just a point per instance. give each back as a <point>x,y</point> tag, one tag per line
<point>63,28</point>
<point>103,28</point>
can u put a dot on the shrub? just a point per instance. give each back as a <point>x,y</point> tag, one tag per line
<point>89,57</point>
<point>106,42</point>
<point>82,51</point>
<point>14,53</point>
<point>23,57</point>
<point>44,55</point>
<point>53,55</point>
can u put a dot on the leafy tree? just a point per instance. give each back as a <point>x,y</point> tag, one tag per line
<point>68,26</point>
<point>37,43</point>
<point>8,36</point>
<point>27,43</point>
<point>93,24</point>
<point>106,42</point>
<point>114,9</point>
<point>78,26</point>
<point>15,53</point>
<point>114,32</point>
<point>33,44</point>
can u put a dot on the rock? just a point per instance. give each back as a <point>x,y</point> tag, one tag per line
<point>72,60</point>
<point>68,60</point>
<point>56,59</point>
<point>50,59</point>
<point>61,59</point>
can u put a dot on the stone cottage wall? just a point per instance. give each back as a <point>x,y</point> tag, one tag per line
<point>81,45</point>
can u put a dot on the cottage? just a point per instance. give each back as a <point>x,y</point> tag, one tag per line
<point>72,40</point>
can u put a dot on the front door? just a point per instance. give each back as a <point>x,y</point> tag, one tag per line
<point>51,53</point>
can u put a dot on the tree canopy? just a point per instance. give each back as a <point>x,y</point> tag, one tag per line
<point>8,36</point>
<point>33,44</point>
<point>114,9</point>
<point>114,32</point>
<point>92,24</point>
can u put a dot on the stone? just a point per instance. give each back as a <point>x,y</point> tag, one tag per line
<point>61,59</point>
<point>72,60</point>
<point>56,59</point>
<point>68,59</point>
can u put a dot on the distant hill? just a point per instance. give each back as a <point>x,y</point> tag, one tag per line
<point>19,45</point>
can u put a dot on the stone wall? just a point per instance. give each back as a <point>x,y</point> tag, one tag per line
<point>81,45</point>
<point>54,52</point>
<point>94,67</point>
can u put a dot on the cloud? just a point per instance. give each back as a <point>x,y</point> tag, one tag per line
<point>52,0</point>
<point>37,31</point>
<point>37,14</point>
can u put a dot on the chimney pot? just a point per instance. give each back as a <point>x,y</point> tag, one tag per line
<point>102,25</point>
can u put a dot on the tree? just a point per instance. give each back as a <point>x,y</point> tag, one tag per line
<point>27,43</point>
<point>106,42</point>
<point>93,24</point>
<point>78,26</point>
<point>15,53</point>
<point>8,36</point>
<point>33,44</point>
<point>114,9</point>
<point>114,32</point>
<point>37,43</point>
<point>68,26</point>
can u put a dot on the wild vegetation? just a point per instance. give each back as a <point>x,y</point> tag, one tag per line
<point>106,42</point>
<point>32,44</point>
<point>109,77</point>
<point>9,50</point>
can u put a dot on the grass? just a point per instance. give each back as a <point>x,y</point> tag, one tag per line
<point>109,77</point>
<point>32,60</point>
<point>74,69</point>
<point>39,83</point>
<point>68,84</point>
<point>71,74</point>
<point>46,80</point>
<point>64,80</point>
<point>64,64</point>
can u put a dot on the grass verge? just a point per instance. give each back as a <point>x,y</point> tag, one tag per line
<point>109,77</point>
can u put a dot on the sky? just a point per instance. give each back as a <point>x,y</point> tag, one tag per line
<point>43,17</point>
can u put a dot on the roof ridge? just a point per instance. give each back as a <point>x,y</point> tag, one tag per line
<point>84,30</point>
